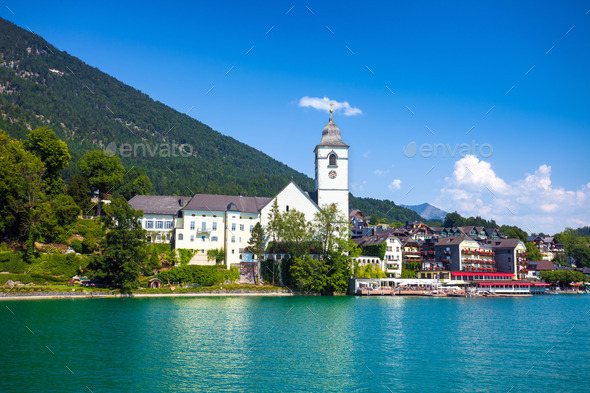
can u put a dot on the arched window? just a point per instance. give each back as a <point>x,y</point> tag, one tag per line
<point>287,208</point>
<point>180,237</point>
<point>332,159</point>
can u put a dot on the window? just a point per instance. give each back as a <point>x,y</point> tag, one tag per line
<point>332,159</point>
<point>233,251</point>
<point>168,225</point>
<point>192,238</point>
<point>168,236</point>
<point>180,237</point>
<point>149,224</point>
<point>233,226</point>
<point>233,239</point>
<point>397,249</point>
<point>159,224</point>
<point>192,225</point>
<point>149,238</point>
<point>213,238</point>
<point>159,236</point>
<point>251,228</point>
<point>214,226</point>
<point>287,208</point>
<point>203,226</point>
<point>241,227</point>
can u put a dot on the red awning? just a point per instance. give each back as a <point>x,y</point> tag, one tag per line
<point>540,284</point>
<point>487,274</point>
<point>526,284</point>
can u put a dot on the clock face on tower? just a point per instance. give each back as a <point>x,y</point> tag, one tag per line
<point>332,174</point>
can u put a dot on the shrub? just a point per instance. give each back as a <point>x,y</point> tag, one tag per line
<point>185,256</point>
<point>62,265</point>
<point>76,245</point>
<point>200,275</point>
<point>89,244</point>
<point>12,263</point>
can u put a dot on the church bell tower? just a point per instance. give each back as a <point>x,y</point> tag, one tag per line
<point>331,169</point>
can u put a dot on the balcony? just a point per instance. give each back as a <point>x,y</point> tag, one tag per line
<point>204,231</point>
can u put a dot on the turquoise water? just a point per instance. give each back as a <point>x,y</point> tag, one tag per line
<point>285,344</point>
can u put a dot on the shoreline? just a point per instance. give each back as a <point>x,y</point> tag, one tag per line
<point>104,295</point>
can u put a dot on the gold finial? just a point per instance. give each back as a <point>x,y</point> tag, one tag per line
<point>331,110</point>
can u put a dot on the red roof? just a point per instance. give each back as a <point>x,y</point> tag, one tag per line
<point>488,274</point>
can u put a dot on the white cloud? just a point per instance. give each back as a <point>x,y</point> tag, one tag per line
<point>396,184</point>
<point>358,187</point>
<point>532,202</point>
<point>323,104</point>
<point>380,172</point>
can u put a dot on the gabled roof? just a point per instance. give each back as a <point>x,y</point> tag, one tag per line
<point>378,238</point>
<point>355,213</point>
<point>222,203</point>
<point>452,240</point>
<point>306,194</point>
<point>541,265</point>
<point>503,243</point>
<point>158,204</point>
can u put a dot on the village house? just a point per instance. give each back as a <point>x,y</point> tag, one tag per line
<point>391,263</point>
<point>547,246</point>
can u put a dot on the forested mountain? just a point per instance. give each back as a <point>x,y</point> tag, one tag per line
<point>384,209</point>
<point>43,86</point>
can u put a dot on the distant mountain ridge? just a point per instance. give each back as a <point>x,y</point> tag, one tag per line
<point>43,86</point>
<point>428,211</point>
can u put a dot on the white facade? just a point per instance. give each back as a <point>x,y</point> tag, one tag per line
<point>332,180</point>
<point>202,231</point>
<point>291,197</point>
<point>159,227</point>
<point>393,257</point>
<point>392,260</point>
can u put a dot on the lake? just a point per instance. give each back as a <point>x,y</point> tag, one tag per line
<point>306,344</point>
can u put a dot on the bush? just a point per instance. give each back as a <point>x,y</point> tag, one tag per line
<point>200,275</point>
<point>35,278</point>
<point>185,256</point>
<point>12,263</point>
<point>62,265</point>
<point>89,244</point>
<point>76,245</point>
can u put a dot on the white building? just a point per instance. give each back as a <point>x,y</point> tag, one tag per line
<point>207,222</point>
<point>159,214</point>
<point>391,263</point>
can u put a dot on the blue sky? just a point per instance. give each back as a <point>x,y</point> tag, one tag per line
<point>447,63</point>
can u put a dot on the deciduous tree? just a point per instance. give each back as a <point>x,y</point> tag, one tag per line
<point>123,247</point>
<point>103,172</point>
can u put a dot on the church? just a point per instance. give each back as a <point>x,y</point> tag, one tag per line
<point>207,222</point>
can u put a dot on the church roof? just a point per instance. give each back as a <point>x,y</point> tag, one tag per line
<point>209,202</point>
<point>158,204</point>
<point>331,135</point>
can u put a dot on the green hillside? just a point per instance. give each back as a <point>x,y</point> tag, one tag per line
<point>43,86</point>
